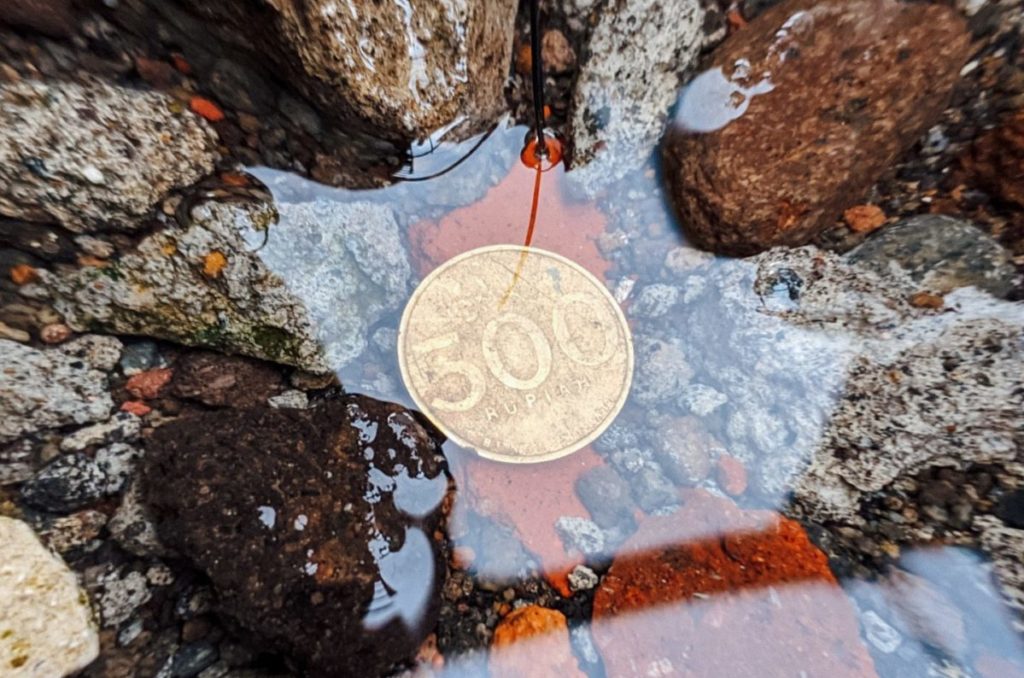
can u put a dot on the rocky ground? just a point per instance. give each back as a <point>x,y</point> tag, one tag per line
<point>190,484</point>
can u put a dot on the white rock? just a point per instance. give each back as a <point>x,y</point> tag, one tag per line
<point>46,626</point>
<point>123,426</point>
<point>291,399</point>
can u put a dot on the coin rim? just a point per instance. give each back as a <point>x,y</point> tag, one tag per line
<point>493,456</point>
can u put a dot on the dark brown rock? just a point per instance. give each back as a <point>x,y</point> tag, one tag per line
<point>772,152</point>
<point>221,381</point>
<point>52,17</point>
<point>316,527</point>
<point>996,160</point>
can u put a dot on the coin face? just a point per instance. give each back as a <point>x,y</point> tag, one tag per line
<point>516,353</point>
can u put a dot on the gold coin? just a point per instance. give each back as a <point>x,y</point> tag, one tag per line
<point>516,353</point>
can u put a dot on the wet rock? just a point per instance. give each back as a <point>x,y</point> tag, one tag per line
<point>192,658</point>
<point>684,449</point>
<point>927,613</point>
<point>327,273</point>
<point>1003,545</point>
<point>654,301</point>
<point>582,578</point>
<point>580,535</point>
<point>48,628</point>
<point>220,381</point>
<point>72,481</point>
<point>701,399</point>
<point>652,490</point>
<point>732,475</point>
<point>627,81</point>
<point>47,389</point>
<point>94,157</point>
<point>801,111</point>
<point>122,427</point>
<point>316,527</point>
<point>661,370</point>
<point>941,253</point>
<point>606,496</point>
<point>996,159</point>
<point>721,591</point>
<point>446,60</point>
<point>532,641</point>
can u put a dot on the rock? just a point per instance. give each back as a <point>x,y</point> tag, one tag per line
<point>996,159</point>
<point>220,381</point>
<point>864,218</point>
<point>17,462</point>
<point>192,658</point>
<point>715,590</point>
<point>926,612</point>
<point>653,301</point>
<point>96,156</point>
<point>148,384</point>
<point>626,83</point>
<point>290,399</point>
<point>941,254</point>
<point>800,112</point>
<point>580,535</point>
<point>55,18</point>
<point>882,636</point>
<point>101,351</point>
<point>139,356</point>
<point>582,578</point>
<point>446,59</point>
<point>132,526</point>
<point>46,389</point>
<point>117,593</point>
<point>732,475</point>
<point>652,490</point>
<point>316,527</point>
<point>556,52</point>
<point>72,481</point>
<point>661,370</point>
<point>122,427</point>
<point>48,627</point>
<point>1003,546</point>
<point>66,533</point>
<point>54,333</point>
<point>606,496</point>
<point>532,642</point>
<point>701,399</point>
<point>328,272</point>
<point>684,449</point>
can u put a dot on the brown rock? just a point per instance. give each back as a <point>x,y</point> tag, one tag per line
<point>318,529</point>
<point>717,591</point>
<point>997,160</point>
<point>864,218</point>
<point>52,17</point>
<point>835,91</point>
<point>556,52</point>
<point>532,642</point>
<point>221,381</point>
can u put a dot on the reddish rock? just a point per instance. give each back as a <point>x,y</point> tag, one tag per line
<point>563,226</point>
<point>732,475</point>
<point>136,407</point>
<point>864,218</point>
<point>206,109</point>
<point>772,153</point>
<point>996,160</point>
<point>221,381</point>
<point>55,333</point>
<point>532,641</point>
<point>22,274</point>
<point>147,385</point>
<point>717,591</point>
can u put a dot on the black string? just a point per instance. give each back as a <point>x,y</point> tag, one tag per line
<point>455,164</point>
<point>538,78</point>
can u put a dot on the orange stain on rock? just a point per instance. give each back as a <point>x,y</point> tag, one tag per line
<point>147,385</point>
<point>532,641</point>
<point>206,108</point>
<point>213,264</point>
<point>530,498</point>
<point>22,274</point>
<point>864,218</point>
<point>564,226</point>
<point>714,590</point>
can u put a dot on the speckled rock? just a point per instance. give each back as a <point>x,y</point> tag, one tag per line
<point>316,527</point>
<point>132,526</point>
<point>328,271</point>
<point>940,253</point>
<point>46,389</point>
<point>48,627</point>
<point>627,81</point>
<point>95,156</point>
<point>121,427</point>
<point>220,381</point>
<point>801,111</point>
<point>443,62</point>
<point>532,642</point>
<point>72,481</point>
<point>1004,545</point>
<point>716,591</point>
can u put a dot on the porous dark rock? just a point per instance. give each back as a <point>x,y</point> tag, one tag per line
<point>319,529</point>
<point>219,380</point>
<point>800,112</point>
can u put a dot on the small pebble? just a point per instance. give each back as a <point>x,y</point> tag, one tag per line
<point>55,333</point>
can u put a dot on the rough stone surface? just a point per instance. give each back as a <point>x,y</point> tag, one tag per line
<point>122,427</point>
<point>941,253</point>
<point>532,642</point>
<point>219,381</point>
<point>442,62</point>
<point>46,621</point>
<point>717,591</point>
<point>72,481</point>
<point>626,84</point>
<point>801,111</point>
<point>94,156</point>
<point>132,526</point>
<point>47,389</point>
<point>1004,545</point>
<point>328,272</point>
<point>997,159</point>
<point>316,527</point>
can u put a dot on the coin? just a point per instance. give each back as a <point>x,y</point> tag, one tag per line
<point>517,353</point>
